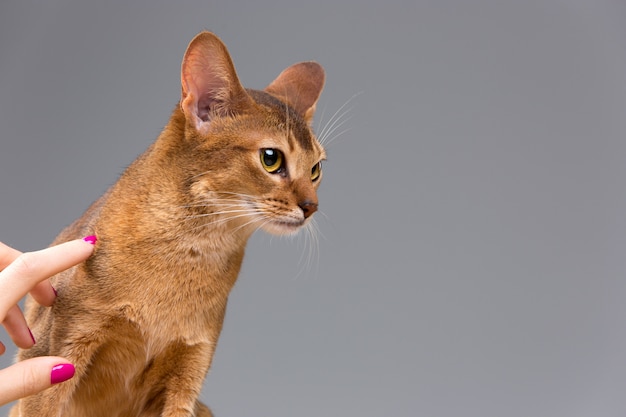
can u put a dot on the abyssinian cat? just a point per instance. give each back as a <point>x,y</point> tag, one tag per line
<point>141,318</point>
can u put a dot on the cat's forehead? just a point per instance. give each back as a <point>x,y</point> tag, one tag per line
<point>290,126</point>
<point>286,142</point>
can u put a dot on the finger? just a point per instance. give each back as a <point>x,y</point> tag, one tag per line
<point>7,255</point>
<point>30,268</point>
<point>43,292</point>
<point>32,376</point>
<point>16,327</point>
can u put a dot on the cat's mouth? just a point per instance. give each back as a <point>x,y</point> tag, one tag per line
<point>280,222</point>
<point>283,226</point>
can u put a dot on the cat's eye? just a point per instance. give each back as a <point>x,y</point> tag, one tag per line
<point>316,171</point>
<point>272,160</point>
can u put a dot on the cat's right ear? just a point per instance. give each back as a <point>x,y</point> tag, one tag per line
<point>210,86</point>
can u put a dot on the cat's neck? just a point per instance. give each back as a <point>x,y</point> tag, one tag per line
<point>147,210</point>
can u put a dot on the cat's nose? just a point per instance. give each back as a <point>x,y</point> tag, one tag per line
<point>308,207</point>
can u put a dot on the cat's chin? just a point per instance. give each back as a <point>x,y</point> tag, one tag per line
<point>283,228</point>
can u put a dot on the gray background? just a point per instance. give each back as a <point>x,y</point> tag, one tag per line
<point>474,216</point>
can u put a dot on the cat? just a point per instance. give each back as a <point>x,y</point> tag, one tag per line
<point>140,319</point>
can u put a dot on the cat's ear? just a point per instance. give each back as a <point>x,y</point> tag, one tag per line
<point>210,86</point>
<point>300,86</point>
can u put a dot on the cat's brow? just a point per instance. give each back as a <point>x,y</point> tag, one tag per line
<point>297,126</point>
<point>290,141</point>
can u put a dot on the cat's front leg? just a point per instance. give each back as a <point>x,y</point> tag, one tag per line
<point>202,410</point>
<point>56,401</point>
<point>185,381</point>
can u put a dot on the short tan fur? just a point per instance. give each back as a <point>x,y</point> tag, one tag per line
<point>141,318</point>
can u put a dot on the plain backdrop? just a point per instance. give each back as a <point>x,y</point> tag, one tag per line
<point>472,245</point>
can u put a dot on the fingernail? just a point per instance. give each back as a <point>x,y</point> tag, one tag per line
<point>91,239</point>
<point>32,337</point>
<point>62,372</point>
<point>56,293</point>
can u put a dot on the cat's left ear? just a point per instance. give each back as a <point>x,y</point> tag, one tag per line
<point>300,86</point>
<point>210,86</point>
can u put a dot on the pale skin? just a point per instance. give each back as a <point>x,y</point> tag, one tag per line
<point>22,273</point>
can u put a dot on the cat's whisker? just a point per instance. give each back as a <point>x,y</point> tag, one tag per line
<point>338,117</point>
<point>211,204</point>
<point>333,125</point>
<point>212,223</point>
<point>217,199</point>
<point>310,252</point>
<point>226,217</point>
<point>328,140</point>
<point>314,233</point>
<point>224,203</point>
<point>322,213</point>
<point>210,209</point>
<point>318,230</point>
<point>263,219</point>
<point>216,213</point>
<point>320,119</point>
<point>244,197</point>
<point>228,210</point>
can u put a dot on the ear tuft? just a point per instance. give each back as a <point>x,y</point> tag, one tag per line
<point>210,86</point>
<point>300,86</point>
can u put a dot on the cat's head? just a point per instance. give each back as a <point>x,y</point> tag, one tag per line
<point>257,162</point>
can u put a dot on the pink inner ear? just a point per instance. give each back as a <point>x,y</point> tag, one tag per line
<point>209,82</point>
<point>203,79</point>
<point>204,107</point>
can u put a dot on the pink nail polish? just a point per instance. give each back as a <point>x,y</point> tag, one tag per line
<point>32,337</point>
<point>56,293</point>
<point>91,239</point>
<point>62,372</point>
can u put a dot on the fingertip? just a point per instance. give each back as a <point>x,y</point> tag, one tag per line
<point>32,376</point>
<point>89,243</point>
<point>44,293</point>
<point>17,328</point>
<point>91,239</point>
<point>61,373</point>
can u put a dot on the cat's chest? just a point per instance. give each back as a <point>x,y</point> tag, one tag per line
<point>170,293</point>
<point>183,312</point>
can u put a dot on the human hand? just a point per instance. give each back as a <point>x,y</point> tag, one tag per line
<point>21,273</point>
